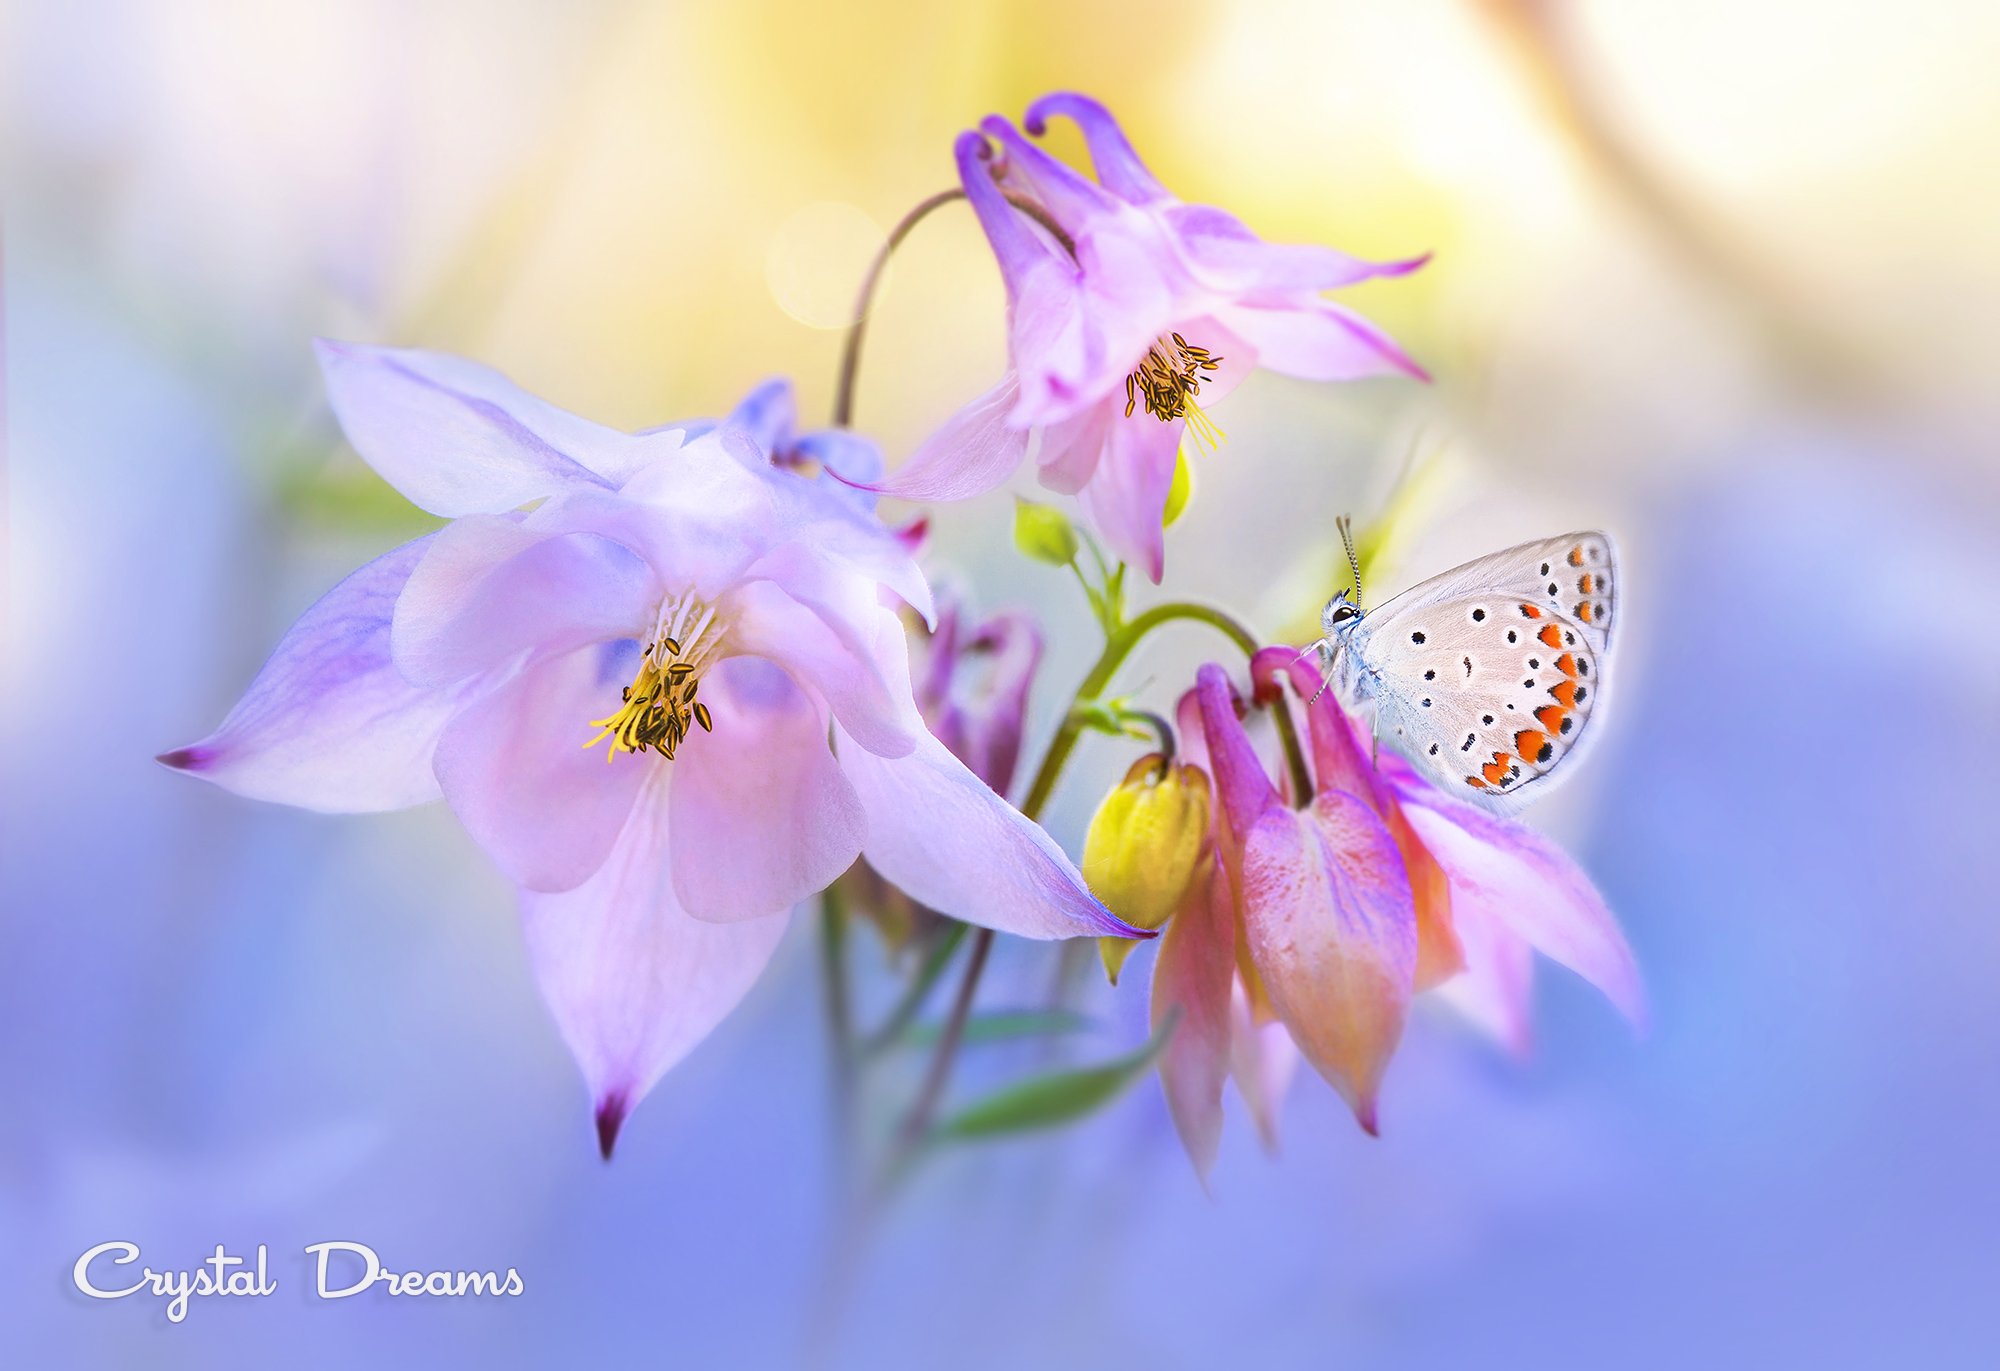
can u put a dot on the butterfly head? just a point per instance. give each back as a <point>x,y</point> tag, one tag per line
<point>1338,618</point>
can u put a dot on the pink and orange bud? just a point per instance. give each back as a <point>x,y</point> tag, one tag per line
<point>1143,843</point>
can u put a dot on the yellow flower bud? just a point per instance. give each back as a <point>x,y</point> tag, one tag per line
<point>1142,847</point>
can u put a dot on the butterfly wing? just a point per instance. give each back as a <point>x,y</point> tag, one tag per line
<point>1489,676</point>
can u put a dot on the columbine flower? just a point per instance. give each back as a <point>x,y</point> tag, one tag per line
<point>1318,925</point>
<point>1119,337</point>
<point>972,682</point>
<point>626,694</point>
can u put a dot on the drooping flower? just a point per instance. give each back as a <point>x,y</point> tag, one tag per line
<point>668,701</point>
<point>1119,335</point>
<point>1319,924</point>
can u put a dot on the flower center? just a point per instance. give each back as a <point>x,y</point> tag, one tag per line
<point>660,705</point>
<point>1168,380</point>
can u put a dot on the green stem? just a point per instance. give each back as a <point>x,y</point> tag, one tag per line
<point>928,973</point>
<point>917,1123</point>
<point>839,1007</point>
<point>1116,649</point>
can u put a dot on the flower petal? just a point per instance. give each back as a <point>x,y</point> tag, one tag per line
<point>1071,449</point>
<point>1318,340</point>
<point>975,450</point>
<point>1024,256</point>
<point>940,834</point>
<point>1530,886</point>
<point>1243,790</point>
<point>1192,978</point>
<point>1072,198</point>
<point>1127,494</point>
<point>1118,167</point>
<point>1497,988</point>
<point>492,588</point>
<point>848,464</point>
<point>1331,928</point>
<point>1229,259</point>
<point>515,768</point>
<point>632,980</point>
<point>330,723</point>
<point>1340,757</point>
<point>769,414</point>
<point>834,639</point>
<point>1262,1059</point>
<point>459,438</point>
<point>761,815</point>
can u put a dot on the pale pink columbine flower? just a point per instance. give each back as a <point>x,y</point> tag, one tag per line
<point>1319,924</point>
<point>1154,309</point>
<point>669,701</point>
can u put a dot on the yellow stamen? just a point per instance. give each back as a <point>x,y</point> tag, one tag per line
<point>1168,378</point>
<point>659,705</point>
<point>1201,432</point>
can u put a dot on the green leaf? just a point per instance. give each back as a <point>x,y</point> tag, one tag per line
<point>1043,532</point>
<point>1001,1025</point>
<point>1057,1098</point>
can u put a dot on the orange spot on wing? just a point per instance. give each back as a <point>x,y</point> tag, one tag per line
<point>1566,664</point>
<point>1531,611</point>
<point>1551,717</point>
<point>1477,783</point>
<point>1552,636</point>
<point>1584,583</point>
<point>1583,612</point>
<point>1496,770</point>
<point>1533,747</point>
<point>1565,693</point>
<point>1576,555</point>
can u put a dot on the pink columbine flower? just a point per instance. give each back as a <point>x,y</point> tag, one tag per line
<point>1321,923</point>
<point>669,701</point>
<point>972,681</point>
<point>1117,340</point>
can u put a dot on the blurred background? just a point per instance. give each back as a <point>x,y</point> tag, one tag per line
<point>1718,276</point>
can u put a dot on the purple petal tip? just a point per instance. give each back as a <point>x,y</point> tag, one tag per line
<point>610,1118</point>
<point>185,758</point>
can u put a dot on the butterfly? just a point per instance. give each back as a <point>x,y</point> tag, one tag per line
<point>1488,677</point>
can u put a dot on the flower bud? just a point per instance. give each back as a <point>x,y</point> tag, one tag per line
<point>1044,533</point>
<point>1143,844</point>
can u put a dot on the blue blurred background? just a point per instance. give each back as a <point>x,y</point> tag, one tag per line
<point>1717,276</point>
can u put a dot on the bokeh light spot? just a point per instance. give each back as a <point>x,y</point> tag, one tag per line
<point>817,259</point>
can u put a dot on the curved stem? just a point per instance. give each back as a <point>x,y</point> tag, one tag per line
<point>850,349</point>
<point>1116,649</point>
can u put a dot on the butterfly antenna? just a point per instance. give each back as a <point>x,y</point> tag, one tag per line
<point>1346,527</point>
